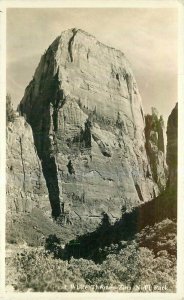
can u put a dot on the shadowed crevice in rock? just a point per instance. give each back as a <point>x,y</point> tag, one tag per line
<point>46,148</point>
<point>142,113</point>
<point>103,148</point>
<point>129,81</point>
<point>139,192</point>
<point>70,43</point>
<point>50,174</point>
<point>70,167</point>
<point>86,136</point>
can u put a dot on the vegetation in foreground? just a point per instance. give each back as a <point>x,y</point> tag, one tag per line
<point>129,266</point>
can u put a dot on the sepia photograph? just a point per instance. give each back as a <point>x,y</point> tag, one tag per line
<point>91,149</point>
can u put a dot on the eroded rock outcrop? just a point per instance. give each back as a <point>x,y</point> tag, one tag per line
<point>26,186</point>
<point>172,147</point>
<point>155,148</point>
<point>85,111</point>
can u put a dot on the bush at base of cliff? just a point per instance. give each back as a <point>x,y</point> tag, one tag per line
<point>132,267</point>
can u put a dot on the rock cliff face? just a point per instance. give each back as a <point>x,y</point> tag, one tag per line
<point>85,111</point>
<point>154,134</point>
<point>172,147</point>
<point>26,186</point>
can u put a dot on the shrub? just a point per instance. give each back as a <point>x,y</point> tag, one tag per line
<point>39,271</point>
<point>133,266</point>
<point>52,245</point>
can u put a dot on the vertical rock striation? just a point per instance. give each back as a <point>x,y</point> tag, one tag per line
<point>85,111</point>
<point>172,147</point>
<point>26,187</point>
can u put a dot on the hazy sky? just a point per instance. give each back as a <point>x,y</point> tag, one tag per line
<point>147,36</point>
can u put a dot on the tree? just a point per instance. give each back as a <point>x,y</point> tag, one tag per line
<point>53,245</point>
<point>105,221</point>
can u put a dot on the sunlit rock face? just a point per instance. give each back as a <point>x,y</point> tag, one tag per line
<point>85,110</point>
<point>26,187</point>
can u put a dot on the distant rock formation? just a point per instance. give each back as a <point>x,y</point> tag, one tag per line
<point>85,110</point>
<point>172,147</point>
<point>26,186</point>
<point>155,148</point>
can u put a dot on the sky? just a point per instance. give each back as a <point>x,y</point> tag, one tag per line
<point>147,36</point>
